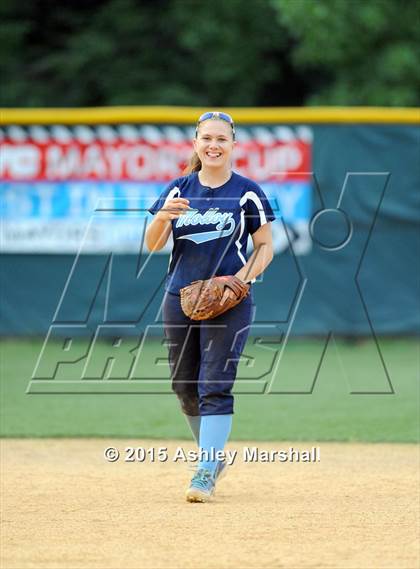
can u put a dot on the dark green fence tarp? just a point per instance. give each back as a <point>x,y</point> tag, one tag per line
<point>369,283</point>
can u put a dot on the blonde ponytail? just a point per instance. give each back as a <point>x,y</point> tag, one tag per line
<point>194,165</point>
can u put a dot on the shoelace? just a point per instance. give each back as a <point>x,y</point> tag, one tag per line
<point>193,467</point>
<point>201,478</point>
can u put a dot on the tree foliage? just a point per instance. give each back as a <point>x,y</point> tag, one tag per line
<point>143,52</point>
<point>208,52</point>
<point>366,52</point>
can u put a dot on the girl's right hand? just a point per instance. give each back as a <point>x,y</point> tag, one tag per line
<point>173,209</point>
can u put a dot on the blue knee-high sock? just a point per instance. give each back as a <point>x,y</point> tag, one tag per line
<point>214,433</point>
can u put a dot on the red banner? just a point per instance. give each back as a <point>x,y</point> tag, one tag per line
<point>144,161</point>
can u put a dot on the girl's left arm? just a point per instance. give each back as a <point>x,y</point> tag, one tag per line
<point>261,256</point>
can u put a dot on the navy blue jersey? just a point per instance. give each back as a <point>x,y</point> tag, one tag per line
<point>211,238</point>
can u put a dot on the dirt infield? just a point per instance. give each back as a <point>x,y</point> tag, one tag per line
<point>65,506</point>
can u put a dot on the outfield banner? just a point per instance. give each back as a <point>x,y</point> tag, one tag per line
<point>346,236</point>
<point>54,180</point>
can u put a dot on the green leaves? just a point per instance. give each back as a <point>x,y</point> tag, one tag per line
<point>368,52</point>
<point>209,53</point>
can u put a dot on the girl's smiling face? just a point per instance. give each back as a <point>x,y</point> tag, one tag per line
<point>214,144</point>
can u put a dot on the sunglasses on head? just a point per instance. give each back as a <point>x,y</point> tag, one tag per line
<point>217,115</point>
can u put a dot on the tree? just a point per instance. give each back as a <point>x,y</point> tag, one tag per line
<point>116,52</point>
<point>209,52</point>
<point>364,52</point>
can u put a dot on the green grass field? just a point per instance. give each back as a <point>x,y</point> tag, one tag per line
<point>330,412</point>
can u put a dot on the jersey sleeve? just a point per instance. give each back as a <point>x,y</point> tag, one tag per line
<point>257,208</point>
<point>170,192</point>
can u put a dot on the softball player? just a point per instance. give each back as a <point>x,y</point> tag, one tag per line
<point>211,212</point>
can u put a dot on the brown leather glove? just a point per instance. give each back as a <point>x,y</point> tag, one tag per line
<point>201,299</point>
